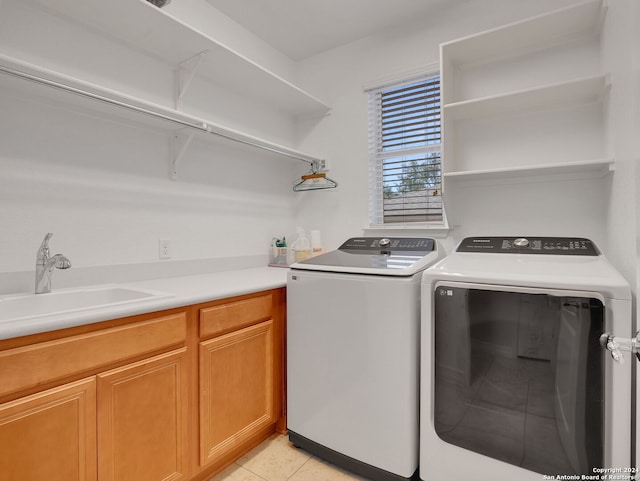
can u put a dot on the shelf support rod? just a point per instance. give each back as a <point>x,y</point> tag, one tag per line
<point>196,126</point>
<point>179,145</point>
<point>275,150</point>
<point>184,75</point>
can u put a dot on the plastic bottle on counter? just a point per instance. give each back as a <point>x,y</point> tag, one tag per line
<point>301,246</point>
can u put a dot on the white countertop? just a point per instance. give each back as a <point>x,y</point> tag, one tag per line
<point>182,291</point>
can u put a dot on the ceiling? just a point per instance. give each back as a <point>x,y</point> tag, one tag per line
<point>302,28</point>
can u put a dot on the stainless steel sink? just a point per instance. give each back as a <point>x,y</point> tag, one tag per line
<point>25,306</point>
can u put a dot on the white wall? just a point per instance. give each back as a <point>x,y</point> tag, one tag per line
<point>590,208</point>
<point>619,43</point>
<point>102,185</point>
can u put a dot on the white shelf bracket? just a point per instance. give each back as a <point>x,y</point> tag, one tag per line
<point>184,75</point>
<point>179,145</point>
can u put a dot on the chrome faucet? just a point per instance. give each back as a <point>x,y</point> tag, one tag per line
<point>46,264</point>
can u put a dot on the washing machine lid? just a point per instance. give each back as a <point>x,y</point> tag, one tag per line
<point>389,256</point>
<point>565,263</point>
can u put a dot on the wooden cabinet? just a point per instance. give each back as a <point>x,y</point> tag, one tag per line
<point>171,396</point>
<point>236,389</point>
<point>230,316</point>
<point>127,423</point>
<point>142,420</point>
<point>240,374</point>
<point>50,435</point>
<point>31,365</point>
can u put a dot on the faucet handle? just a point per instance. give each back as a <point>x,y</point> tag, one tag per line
<point>45,241</point>
<point>43,251</point>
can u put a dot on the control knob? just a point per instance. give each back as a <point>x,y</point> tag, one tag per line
<point>384,242</point>
<point>521,242</point>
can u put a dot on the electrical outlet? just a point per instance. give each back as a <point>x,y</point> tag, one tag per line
<point>164,249</point>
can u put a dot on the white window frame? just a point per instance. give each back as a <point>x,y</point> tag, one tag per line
<point>376,157</point>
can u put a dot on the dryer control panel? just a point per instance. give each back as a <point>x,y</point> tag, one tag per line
<point>572,246</point>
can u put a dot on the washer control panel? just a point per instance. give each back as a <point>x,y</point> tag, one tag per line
<point>368,245</point>
<point>572,246</point>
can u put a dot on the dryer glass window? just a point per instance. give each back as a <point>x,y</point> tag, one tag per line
<point>519,377</point>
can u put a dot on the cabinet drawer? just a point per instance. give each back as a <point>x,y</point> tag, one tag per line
<point>227,317</point>
<point>28,366</point>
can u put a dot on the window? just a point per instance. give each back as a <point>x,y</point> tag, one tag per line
<point>404,152</point>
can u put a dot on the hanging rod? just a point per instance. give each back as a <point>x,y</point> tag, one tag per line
<point>203,127</point>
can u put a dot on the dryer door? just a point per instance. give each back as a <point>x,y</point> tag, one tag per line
<point>519,378</point>
<point>515,383</point>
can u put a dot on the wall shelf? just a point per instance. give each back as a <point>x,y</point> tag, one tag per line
<point>19,75</point>
<point>572,92</point>
<point>581,169</point>
<point>526,100</point>
<point>146,27</point>
<point>527,35</point>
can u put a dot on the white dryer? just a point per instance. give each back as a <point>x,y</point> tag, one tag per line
<point>353,318</point>
<point>515,383</point>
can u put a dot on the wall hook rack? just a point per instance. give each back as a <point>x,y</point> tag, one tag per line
<point>315,179</point>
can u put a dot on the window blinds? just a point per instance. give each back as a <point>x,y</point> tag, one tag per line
<point>404,146</point>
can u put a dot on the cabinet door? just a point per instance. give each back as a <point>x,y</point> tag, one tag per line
<point>142,420</point>
<point>236,389</point>
<point>51,435</point>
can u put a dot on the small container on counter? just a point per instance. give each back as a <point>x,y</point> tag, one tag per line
<point>279,254</point>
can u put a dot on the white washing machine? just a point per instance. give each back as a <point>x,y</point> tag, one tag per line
<point>353,318</point>
<point>515,383</point>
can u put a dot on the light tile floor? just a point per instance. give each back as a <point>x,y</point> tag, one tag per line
<point>276,459</point>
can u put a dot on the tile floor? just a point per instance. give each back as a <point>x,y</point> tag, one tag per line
<point>276,459</point>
